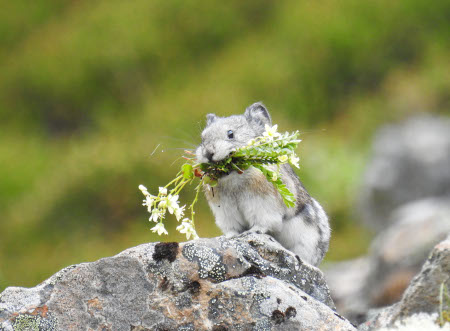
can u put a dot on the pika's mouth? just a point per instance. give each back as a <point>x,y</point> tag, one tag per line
<point>211,159</point>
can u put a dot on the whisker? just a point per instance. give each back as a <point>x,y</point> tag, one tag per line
<point>180,140</point>
<point>183,148</point>
<point>187,133</point>
<point>180,157</point>
<point>199,128</point>
<point>179,148</point>
<point>157,146</point>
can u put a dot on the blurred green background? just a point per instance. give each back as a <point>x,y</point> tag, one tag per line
<point>88,89</point>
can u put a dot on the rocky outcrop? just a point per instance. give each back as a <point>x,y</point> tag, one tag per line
<point>410,162</point>
<point>245,283</point>
<point>347,281</point>
<point>422,295</point>
<point>398,253</point>
<point>405,198</point>
<point>396,256</point>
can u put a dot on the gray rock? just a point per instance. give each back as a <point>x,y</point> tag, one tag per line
<point>410,162</point>
<point>398,253</point>
<point>246,283</point>
<point>347,281</point>
<point>395,257</point>
<point>422,295</point>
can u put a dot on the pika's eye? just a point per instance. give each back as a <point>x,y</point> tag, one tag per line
<point>230,134</point>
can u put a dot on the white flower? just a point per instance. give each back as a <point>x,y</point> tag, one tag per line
<point>179,212</point>
<point>149,199</point>
<point>283,158</point>
<point>144,190</point>
<point>172,203</point>
<point>162,191</point>
<point>162,204</point>
<point>156,214</point>
<point>271,132</point>
<point>274,176</point>
<point>159,228</point>
<point>294,160</point>
<point>187,228</point>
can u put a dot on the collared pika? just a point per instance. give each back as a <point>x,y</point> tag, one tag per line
<point>248,202</point>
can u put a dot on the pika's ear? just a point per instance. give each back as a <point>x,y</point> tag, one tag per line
<point>258,113</point>
<point>210,118</point>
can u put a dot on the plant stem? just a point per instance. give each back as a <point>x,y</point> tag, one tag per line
<point>180,186</point>
<point>236,167</point>
<point>441,304</point>
<point>197,189</point>
<point>177,178</point>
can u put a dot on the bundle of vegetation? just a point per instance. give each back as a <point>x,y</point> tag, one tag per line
<point>265,153</point>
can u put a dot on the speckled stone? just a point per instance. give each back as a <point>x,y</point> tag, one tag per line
<point>422,294</point>
<point>245,283</point>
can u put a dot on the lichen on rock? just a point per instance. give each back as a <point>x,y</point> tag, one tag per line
<point>245,283</point>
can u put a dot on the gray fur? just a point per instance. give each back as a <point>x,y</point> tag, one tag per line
<point>258,115</point>
<point>210,118</point>
<point>248,202</point>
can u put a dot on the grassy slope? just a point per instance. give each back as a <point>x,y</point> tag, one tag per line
<point>335,66</point>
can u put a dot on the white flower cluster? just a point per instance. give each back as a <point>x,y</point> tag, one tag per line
<point>187,228</point>
<point>265,153</point>
<point>271,135</point>
<point>418,322</point>
<point>292,159</point>
<point>157,206</point>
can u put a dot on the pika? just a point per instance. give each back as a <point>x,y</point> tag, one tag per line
<point>248,202</point>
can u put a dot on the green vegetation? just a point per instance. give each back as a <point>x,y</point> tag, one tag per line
<point>444,305</point>
<point>272,148</point>
<point>89,89</point>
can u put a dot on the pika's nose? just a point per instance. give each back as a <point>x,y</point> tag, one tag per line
<point>209,155</point>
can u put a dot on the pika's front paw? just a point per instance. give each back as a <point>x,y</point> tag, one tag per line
<point>231,235</point>
<point>255,229</point>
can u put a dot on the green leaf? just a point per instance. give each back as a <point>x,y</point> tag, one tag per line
<point>206,179</point>
<point>259,155</point>
<point>209,181</point>
<point>188,173</point>
<point>286,195</point>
